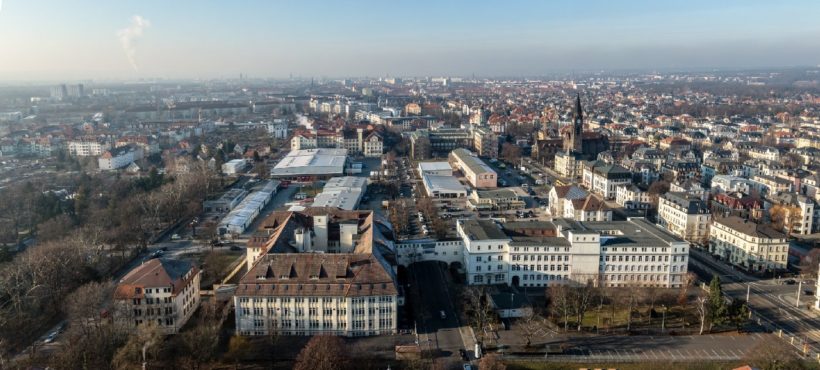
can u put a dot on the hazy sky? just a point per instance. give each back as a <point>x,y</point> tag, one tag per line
<point>83,39</point>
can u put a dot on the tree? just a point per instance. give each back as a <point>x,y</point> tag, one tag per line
<point>702,309</point>
<point>237,348</point>
<point>491,361</point>
<point>322,352</point>
<point>810,262</point>
<point>479,309</point>
<point>531,324</point>
<point>261,170</point>
<point>511,153</point>
<point>738,313</point>
<point>560,302</point>
<point>717,305</point>
<point>581,297</point>
<point>774,355</point>
<point>141,346</point>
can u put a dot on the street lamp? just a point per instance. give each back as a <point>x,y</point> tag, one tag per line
<point>663,319</point>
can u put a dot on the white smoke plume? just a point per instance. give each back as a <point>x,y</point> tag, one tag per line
<point>129,36</point>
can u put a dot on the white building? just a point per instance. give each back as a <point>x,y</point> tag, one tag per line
<point>538,254</point>
<point>341,192</point>
<point>278,128</point>
<point>631,197</point>
<point>161,291</point>
<point>373,145</point>
<point>756,247</point>
<point>86,148</point>
<point>117,158</point>
<point>603,178</point>
<point>234,167</point>
<point>683,215</point>
<point>435,168</point>
<point>560,195</point>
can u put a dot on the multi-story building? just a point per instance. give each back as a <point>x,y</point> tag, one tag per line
<point>632,197</point>
<point>753,246</point>
<point>161,291</point>
<point>373,145</point>
<point>119,157</point>
<point>559,195</point>
<point>685,216</point>
<point>798,214</point>
<point>319,271</point>
<point>479,174</point>
<point>538,254</point>
<point>485,142</point>
<point>87,147</point>
<point>602,178</point>
<point>495,200</point>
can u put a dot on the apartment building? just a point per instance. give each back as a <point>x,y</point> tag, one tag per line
<point>319,271</point>
<point>478,174</point>
<point>119,157</point>
<point>753,246</point>
<point>87,147</point>
<point>603,178</point>
<point>685,216</point>
<point>538,254</point>
<point>485,142</point>
<point>632,197</point>
<point>160,290</point>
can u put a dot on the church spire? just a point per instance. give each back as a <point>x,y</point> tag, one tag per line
<point>579,114</point>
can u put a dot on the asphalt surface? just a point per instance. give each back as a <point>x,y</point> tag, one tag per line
<point>434,331</point>
<point>659,348</point>
<point>768,300</point>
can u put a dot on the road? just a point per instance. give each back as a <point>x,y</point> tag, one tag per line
<point>643,348</point>
<point>445,334</point>
<point>768,299</point>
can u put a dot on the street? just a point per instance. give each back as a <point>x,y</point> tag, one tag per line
<point>769,300</point>
<point>445,334</point>
<point>659,348</point>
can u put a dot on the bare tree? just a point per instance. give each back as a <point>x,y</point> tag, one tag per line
<point>480,311</point>
<point>580,298</point>
<point>560,302</point>
<point>492,361</point>
<point>322,352</point>
<point>774,355</point>
<point>141,346</point>
<point>531,324</point>
<point>702,310</point>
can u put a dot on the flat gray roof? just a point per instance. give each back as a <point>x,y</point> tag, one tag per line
<point>482,230</point>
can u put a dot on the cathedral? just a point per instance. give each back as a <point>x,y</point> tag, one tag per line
<point>578,145</point>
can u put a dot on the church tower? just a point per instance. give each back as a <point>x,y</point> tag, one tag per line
<point>572,138</point>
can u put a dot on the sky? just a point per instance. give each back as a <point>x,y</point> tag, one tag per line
<point>130,39</point>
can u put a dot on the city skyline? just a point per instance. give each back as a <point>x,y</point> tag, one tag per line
<point>53,40</point>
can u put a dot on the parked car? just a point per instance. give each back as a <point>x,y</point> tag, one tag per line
<point>51,337</point>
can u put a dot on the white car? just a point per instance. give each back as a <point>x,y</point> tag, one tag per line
<point>51,337</point>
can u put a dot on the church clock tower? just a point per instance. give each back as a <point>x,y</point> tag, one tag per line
<point>572,138</point>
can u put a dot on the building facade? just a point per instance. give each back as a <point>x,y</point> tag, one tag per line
<point>539,254</point>
<point>161,291</point>
<point>755,247</point>
<point>686,216</point>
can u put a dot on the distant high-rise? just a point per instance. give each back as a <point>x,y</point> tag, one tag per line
<point>59,92</point>
<point>75,91</point>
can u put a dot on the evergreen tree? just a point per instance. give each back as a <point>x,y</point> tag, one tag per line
<point>717,305</point>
